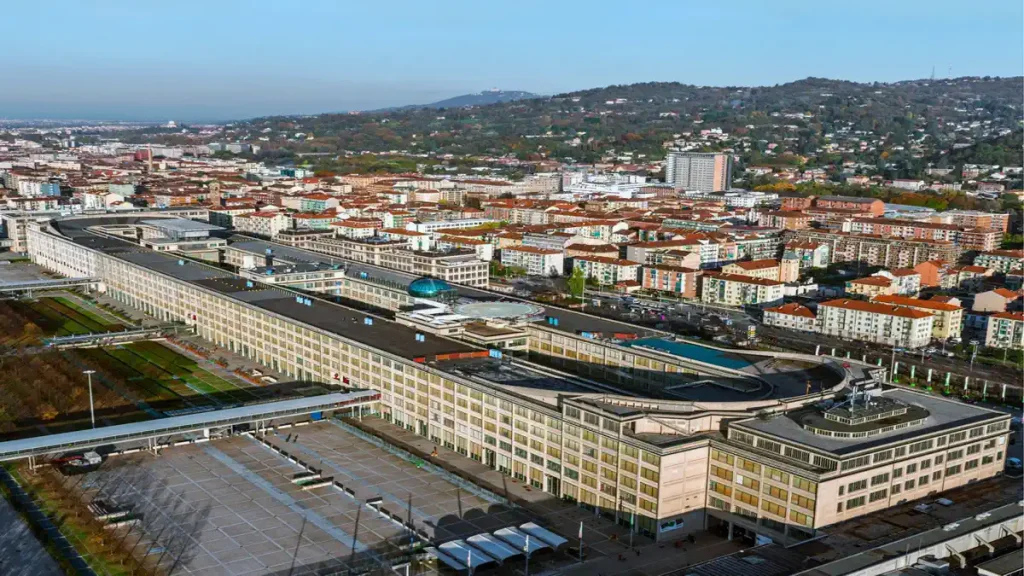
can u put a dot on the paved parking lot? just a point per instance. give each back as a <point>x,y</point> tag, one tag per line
<point>442,509</point>
<point>231,507</point>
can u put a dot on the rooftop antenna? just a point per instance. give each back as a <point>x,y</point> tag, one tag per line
<point>932,78</point>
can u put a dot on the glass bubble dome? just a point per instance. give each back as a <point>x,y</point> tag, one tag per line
<point>428,287</point>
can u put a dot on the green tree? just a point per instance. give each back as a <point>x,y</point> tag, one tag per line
<point>577,282</point>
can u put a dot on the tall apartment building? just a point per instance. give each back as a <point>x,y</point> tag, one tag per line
<point>875,322</point>
<point>704,172</point>
<point>974,219</point>
<point>606,270</point>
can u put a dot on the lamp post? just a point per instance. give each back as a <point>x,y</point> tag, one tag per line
<point>92,411</point>
<point>974,353</point>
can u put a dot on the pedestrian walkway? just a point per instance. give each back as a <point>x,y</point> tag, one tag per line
<point>605,542</point>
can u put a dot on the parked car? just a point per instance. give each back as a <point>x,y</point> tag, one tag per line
<point>1014,465</point>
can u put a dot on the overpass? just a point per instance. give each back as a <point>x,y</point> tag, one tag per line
<point>262,415</point>
<point>113,338</point>
<point>30,286</point>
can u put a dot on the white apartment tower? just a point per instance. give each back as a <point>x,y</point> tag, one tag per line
<point>704,172</point>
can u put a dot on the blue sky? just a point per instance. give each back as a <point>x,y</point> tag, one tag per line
<point>223,59</point>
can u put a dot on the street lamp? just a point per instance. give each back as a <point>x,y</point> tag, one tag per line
<point>92,411</point>
<point>974,353</point>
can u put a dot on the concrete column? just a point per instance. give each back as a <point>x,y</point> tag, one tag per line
<point>912,367</point>
<point>929,375</point>
<point>833,351</point>
<point>817,350</point>
<point>864,358</point>
<point>984,389</point>
<point>967,381</point>
<point>1003,394</point>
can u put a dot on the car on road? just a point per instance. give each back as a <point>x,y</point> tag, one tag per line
<point>1014,465</point>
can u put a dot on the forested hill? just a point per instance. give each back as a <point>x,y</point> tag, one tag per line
<point>812,122</point>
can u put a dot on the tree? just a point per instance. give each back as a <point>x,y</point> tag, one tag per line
<point>577,283</point>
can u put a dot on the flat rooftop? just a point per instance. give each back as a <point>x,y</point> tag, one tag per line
<point>384,335</point>
<point>180,225</point>
<point>941,414</point>
<point>858,543</point>
<point>517,377</point>
<point>568,320</point>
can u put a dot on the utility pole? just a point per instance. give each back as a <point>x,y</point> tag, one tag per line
<point>92,411</point>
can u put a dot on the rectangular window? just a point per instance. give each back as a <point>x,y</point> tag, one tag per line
<point>878,495</point>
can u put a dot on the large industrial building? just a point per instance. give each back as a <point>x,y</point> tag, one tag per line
<point>626,421</point>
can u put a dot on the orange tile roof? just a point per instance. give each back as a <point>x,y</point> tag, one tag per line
<point>757,264</point>
<point>1008,294</point>
<point>741,279</point>
<point>1018,316</point>
<point>875,307</point>
<point>792,309</point>
<point>916,303</point>
<point>873,281</point>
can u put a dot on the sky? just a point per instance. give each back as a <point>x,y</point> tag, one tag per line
<point>213,60</point>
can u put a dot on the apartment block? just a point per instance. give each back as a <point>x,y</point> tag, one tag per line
<point>1005,330</point>
<point>703,172</point>
<point>791,316</point>
<point>536,261</point>
<point>607,271</point>
<point>875,322</point>
<point>1004,261</point>
<point>736,290</point>
<point>949,318</point>
<point>678,280</point>
<point>880,251</point>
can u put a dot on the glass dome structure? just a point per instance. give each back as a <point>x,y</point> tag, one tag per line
<point>428,287</point>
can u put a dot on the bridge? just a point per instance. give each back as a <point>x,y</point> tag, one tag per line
<point>263,415</point>
<point>114,338</point>
<point>30,286</point>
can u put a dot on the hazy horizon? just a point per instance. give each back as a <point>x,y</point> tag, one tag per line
<point>233,60</point>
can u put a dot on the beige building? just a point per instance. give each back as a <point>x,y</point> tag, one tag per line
<point>536,261</point>
<point>737,290</point>
<point>621,456</point>
<point>767,269</point>
<point>699,171</point>
<point>791,316</point>
<point>822,464</point>
<point>875,322</point>
<point>996,300</point>
<point>871,287</point>
<point>949,318</point>
<point>607,270</point>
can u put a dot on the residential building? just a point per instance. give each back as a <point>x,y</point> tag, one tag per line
<point>483,249</point>
<point>767,269</point>
<point>873,205</point>
<point>1005,330</point>
<point>607,271</point>
<point>875,322</point>
<point>878,250</point>
<point>357,227</point>
<point>949,318</point>
<point>810,254</point>
<point>263,224</point>
<point>906,281</point>
<point>704,172</point>
<point>678,280</point>
<point>536,261</point>
<point>785,220</point>
<point>791,316</point>
<point>1004,261</point>
<point>736,290</point>
<point>997,300</point>
<point>974,219</point>
<point>936,274</point>
<point>870,287</point>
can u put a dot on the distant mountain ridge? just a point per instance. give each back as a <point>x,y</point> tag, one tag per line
<point>479,99</point>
